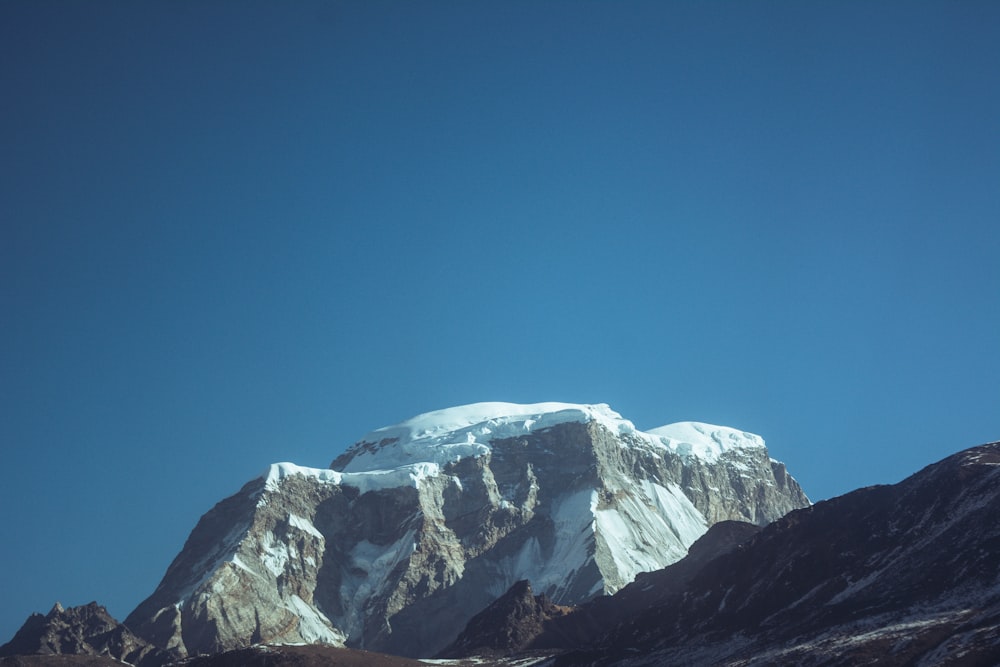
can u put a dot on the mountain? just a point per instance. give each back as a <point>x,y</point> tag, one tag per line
<point>907,574</point>
<point>87,630</point>
<point>510,623</point>
<point>419,523</point>
<point>438,516</point>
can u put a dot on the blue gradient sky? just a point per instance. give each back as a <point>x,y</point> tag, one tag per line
<point>240,233</point>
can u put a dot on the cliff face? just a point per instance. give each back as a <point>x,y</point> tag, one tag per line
<point>410,526</point>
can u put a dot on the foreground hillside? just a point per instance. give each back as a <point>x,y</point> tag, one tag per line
<point>907,574</point>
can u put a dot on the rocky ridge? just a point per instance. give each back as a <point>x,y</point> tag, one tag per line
<point>86,630</point>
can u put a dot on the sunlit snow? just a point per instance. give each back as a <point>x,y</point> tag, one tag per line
<point>444,436</point>
<point>704,441</point>
<point>370,480</point>
<point>305,525</point>
<point>573,537</point>
<point>313,625</point>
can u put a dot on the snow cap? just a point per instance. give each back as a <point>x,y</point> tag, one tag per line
<point>443,436</point>
<point>704,441</point>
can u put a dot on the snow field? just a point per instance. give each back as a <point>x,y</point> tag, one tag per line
<point>573,521</point>
<point>650,527</point>
<point>704,441</point>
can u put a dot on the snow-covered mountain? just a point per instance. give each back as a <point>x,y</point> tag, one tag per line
<point>438,516</point>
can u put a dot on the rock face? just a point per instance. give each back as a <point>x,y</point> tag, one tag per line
<point>84,630</point>
<point>438,516</point>
<point>907,574</point>
<point>509,624</point>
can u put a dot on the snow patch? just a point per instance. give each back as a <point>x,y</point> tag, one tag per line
<point>314,627</point>
<point>369,565</point>
<point>704,441</point>
<point>241,565</point>
<point>646,510</point>
<point>305,525</point>
<point>573,538</point>
<point>276,554</point>
<point>278,472</point>
<point>411,474</point>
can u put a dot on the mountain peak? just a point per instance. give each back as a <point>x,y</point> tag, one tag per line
<point>441,514</point>
<point>84,630</point>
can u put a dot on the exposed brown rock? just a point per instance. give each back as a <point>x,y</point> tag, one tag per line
<point>87,630</point>
<point>509,625</point>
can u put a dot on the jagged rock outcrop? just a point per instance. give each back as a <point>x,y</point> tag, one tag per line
<point>438,516</point>
<point>84,630</point>
<point>508,625</point>
<point>248,572</point>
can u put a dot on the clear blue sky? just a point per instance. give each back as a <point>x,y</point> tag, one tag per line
<point>235,233</point>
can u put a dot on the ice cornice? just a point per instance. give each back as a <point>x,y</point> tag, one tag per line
<point>372,480</point>
<point>706,442</point>
<point>445,436</point>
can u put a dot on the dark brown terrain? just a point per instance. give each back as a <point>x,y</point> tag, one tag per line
<point>87,630</point>
<point>59,660</point>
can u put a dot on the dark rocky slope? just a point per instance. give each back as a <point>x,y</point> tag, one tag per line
<point>87,630</point>
<point>511,623</point>
<point>907,574</point>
